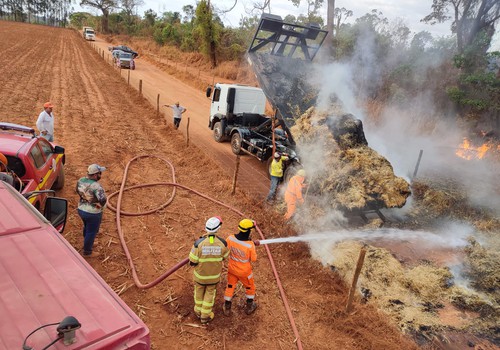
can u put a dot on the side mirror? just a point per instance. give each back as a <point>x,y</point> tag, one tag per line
<point>56,211</point>
<point>58,150</point>
<point>209,91</point>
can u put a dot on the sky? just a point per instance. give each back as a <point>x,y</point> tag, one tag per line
<point>410,11</point>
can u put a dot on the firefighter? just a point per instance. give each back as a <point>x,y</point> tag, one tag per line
<point>293,193</point>
<point>242,253</point>
<point>207,255</point>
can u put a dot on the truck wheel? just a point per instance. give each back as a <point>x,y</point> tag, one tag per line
<point>59,184</point>
<point>236,143</point>
<point>290,171</point>
<point>218,132</point>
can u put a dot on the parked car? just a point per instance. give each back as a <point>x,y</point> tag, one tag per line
<point>123,48</point>
<point>35,164</point>
<point>123,59</point>
<point>51,297</point>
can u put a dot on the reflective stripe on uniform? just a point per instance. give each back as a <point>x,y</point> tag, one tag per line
<point>205,277</point>
<point>234,239</point>
<point>193,257</point>
<point>238,260</point>
<point>210,259</point>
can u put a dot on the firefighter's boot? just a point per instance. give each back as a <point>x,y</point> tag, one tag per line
<point>250,306</point>
<point>227,308</point>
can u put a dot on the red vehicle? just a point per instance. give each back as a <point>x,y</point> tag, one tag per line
<point>50,296</point>
<point>36,164</point>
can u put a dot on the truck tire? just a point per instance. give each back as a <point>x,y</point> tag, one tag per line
<point>236,143</point>
<point>59,184</point>
<point>290,171</point>
<point>218,132</point>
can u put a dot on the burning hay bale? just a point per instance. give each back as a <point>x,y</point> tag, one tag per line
<point>353,175</point>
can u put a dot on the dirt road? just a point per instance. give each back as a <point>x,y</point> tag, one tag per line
<point>99,119</point>
<point>252,175</point>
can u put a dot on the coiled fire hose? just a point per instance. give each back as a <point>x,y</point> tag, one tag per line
<point>174,268</point>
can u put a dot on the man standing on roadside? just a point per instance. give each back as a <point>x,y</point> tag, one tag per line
<point>177,112</point>
<point>45,122</point>
<point>92,203</point>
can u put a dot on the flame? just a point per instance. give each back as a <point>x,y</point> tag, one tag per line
<point>466,151</point>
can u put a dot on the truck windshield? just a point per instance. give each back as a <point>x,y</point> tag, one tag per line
<point>125,55</point>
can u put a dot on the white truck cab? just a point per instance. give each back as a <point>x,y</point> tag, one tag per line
<point>89,33</point>
<point>236,99</point>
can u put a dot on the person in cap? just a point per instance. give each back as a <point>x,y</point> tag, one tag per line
<point>276,172</point>
<point>241,255</point>
<point>177,112</point>
<point>293,194</point>
<point>91,206</point>
<point>45,122</point>
<point>206,256</point>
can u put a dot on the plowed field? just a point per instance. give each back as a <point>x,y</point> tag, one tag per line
<point>99,119</point>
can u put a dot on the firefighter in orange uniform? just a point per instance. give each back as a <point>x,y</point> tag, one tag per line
<point>207,255</point>
<point>293,193</point>
<point>242,254</point>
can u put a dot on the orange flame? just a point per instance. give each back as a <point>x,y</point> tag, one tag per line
<point>467,151</point>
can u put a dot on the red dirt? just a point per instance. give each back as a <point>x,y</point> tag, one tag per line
<point>100,119</point>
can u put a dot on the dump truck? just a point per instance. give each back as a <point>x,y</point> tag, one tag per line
<point>237,112</point>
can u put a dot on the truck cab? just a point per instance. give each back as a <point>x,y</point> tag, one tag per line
<point>36,164</point>
<point>233,99</point>
<point>51,297</point>
<point>88,33</point>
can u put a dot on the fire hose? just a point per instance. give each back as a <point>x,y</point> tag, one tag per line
<point>174,268</point>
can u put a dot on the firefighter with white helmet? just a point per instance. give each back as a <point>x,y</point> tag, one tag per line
<point>207,255</point>
<point>242,254</point>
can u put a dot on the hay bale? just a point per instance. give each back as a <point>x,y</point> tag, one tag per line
<point>354,176</point>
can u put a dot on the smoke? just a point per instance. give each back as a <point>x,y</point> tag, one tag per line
<point>407,125</point>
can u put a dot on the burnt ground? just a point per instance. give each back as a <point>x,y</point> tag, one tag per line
<point>99,119</point>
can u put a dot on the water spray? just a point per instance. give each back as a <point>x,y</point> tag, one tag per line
<point>443,239</point>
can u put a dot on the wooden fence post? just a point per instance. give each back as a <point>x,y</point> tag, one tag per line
<point>140,86</point>
<point>187,133</point>
<point>128,77</point>
<point>158,105</point>
<point>235,176</point>
<point>359,265</point>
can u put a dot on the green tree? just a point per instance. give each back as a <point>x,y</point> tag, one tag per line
<point>208,31</point>
<point>105,6</point>
<point>470,19</point>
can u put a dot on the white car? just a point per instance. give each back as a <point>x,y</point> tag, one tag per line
<point>89,34</point>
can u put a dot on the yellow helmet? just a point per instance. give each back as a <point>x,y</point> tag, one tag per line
<point>301,172</point>
<point>246,225</point>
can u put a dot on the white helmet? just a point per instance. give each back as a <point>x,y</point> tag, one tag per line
<point>213,224</point>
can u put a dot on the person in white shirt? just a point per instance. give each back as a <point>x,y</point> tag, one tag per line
<point>45,122</point>
<point>177,111</point>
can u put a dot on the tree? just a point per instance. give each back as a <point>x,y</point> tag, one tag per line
<point>150,17</point>
<point>313,7</point>
<point>470,19</point>
<point>340,16</point>
<point>208,31</point>
<point>105,6</point>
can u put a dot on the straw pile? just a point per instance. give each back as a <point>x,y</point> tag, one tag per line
<point>354,176</point>
<point>407,296</point>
